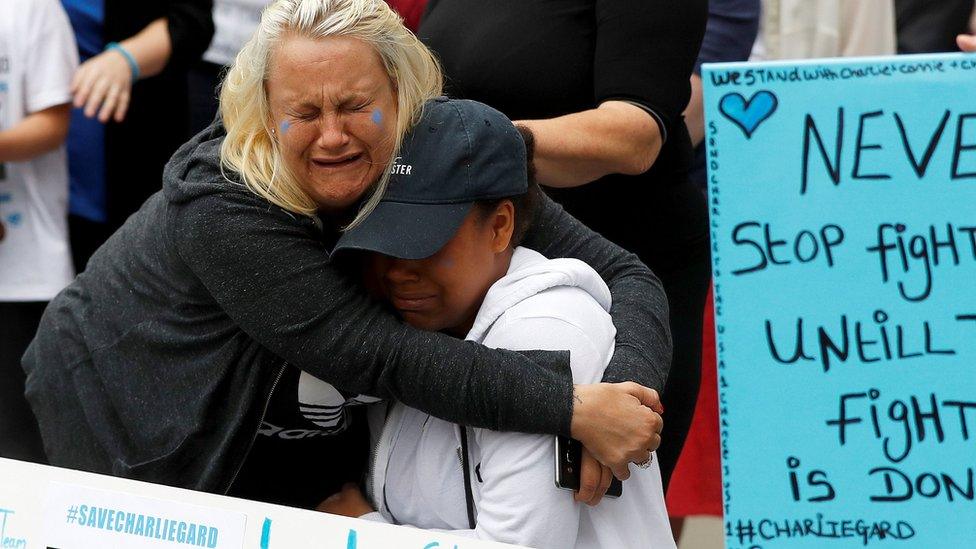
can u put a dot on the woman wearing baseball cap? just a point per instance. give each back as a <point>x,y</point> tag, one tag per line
<point>444,247</point>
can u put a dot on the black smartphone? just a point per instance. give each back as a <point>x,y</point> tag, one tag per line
<point>569,455</point>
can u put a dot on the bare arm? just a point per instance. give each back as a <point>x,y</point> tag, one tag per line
<point>578,148</point>
<point>36,134</point>
<point>151,47</point>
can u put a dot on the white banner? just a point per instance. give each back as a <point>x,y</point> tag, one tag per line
<point>43,506</point>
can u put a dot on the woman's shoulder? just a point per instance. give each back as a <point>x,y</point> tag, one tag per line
<point>569,306</point>
<point>551,304</point>
<point>559,319</point>
<point>562,289</point>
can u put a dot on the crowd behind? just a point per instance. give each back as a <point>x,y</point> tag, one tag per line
<point>97,95</point>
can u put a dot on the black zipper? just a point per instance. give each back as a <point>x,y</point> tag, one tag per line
<point>264,412</point>
<point>466,470</point>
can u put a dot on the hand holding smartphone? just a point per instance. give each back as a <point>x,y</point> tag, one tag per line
<point>569,457</point>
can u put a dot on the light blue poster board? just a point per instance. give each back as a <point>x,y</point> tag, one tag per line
<point>843,214</point>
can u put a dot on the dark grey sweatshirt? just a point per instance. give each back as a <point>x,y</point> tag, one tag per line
<point>158,361</point>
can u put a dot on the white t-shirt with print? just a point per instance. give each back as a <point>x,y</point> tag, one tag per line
<point>38,57</point>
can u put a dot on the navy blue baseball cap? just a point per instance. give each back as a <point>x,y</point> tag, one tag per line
<point>459,153</point>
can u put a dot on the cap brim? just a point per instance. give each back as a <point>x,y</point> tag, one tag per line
<point>405,231</point>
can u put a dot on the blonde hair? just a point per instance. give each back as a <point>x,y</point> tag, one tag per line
<point>249,148</point>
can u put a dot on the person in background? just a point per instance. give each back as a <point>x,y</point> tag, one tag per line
<point>729,36</point>
<point>234,23</point>
<point>444,248</point>
<point>602,85</point>
<point>130,95</point>
<point>931,26</point>
<point>37,61</point>
<point>732,28</point>
<point>696,485</point>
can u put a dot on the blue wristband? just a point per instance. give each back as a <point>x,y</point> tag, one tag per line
<point>128,57</point>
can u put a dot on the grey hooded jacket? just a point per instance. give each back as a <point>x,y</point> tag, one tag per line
<point>158,361</point>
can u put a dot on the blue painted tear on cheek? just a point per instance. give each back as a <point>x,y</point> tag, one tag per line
<point>377,117</point>
<point>285,126</point>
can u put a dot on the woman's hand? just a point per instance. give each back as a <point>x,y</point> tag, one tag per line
<point>102,86</point>
<point>349,502</point>
<point>619,423</point>
<point>595,480</point>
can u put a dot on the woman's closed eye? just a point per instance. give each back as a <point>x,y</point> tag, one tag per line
<point>360,107</point>
<point>305,115</point>
<point>356,104</point>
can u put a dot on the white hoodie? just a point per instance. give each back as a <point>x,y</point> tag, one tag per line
<point>416,476</point>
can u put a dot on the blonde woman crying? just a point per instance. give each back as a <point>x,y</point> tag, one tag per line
<point>213,344</point>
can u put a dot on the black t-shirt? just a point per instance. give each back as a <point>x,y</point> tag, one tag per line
<point>547,58</point>
<point>313,439</point>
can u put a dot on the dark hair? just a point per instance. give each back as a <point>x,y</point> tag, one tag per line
<point>525,204</point>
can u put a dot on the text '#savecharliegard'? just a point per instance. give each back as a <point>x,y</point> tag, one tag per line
<point>138,524</point>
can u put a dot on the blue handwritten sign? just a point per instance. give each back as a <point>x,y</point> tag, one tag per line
<point>843,214</point>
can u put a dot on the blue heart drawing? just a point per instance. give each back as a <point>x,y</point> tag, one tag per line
<point>748,115</point>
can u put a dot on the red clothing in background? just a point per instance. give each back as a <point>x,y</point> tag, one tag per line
<point>696,485</point>
<point>410,10</point>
